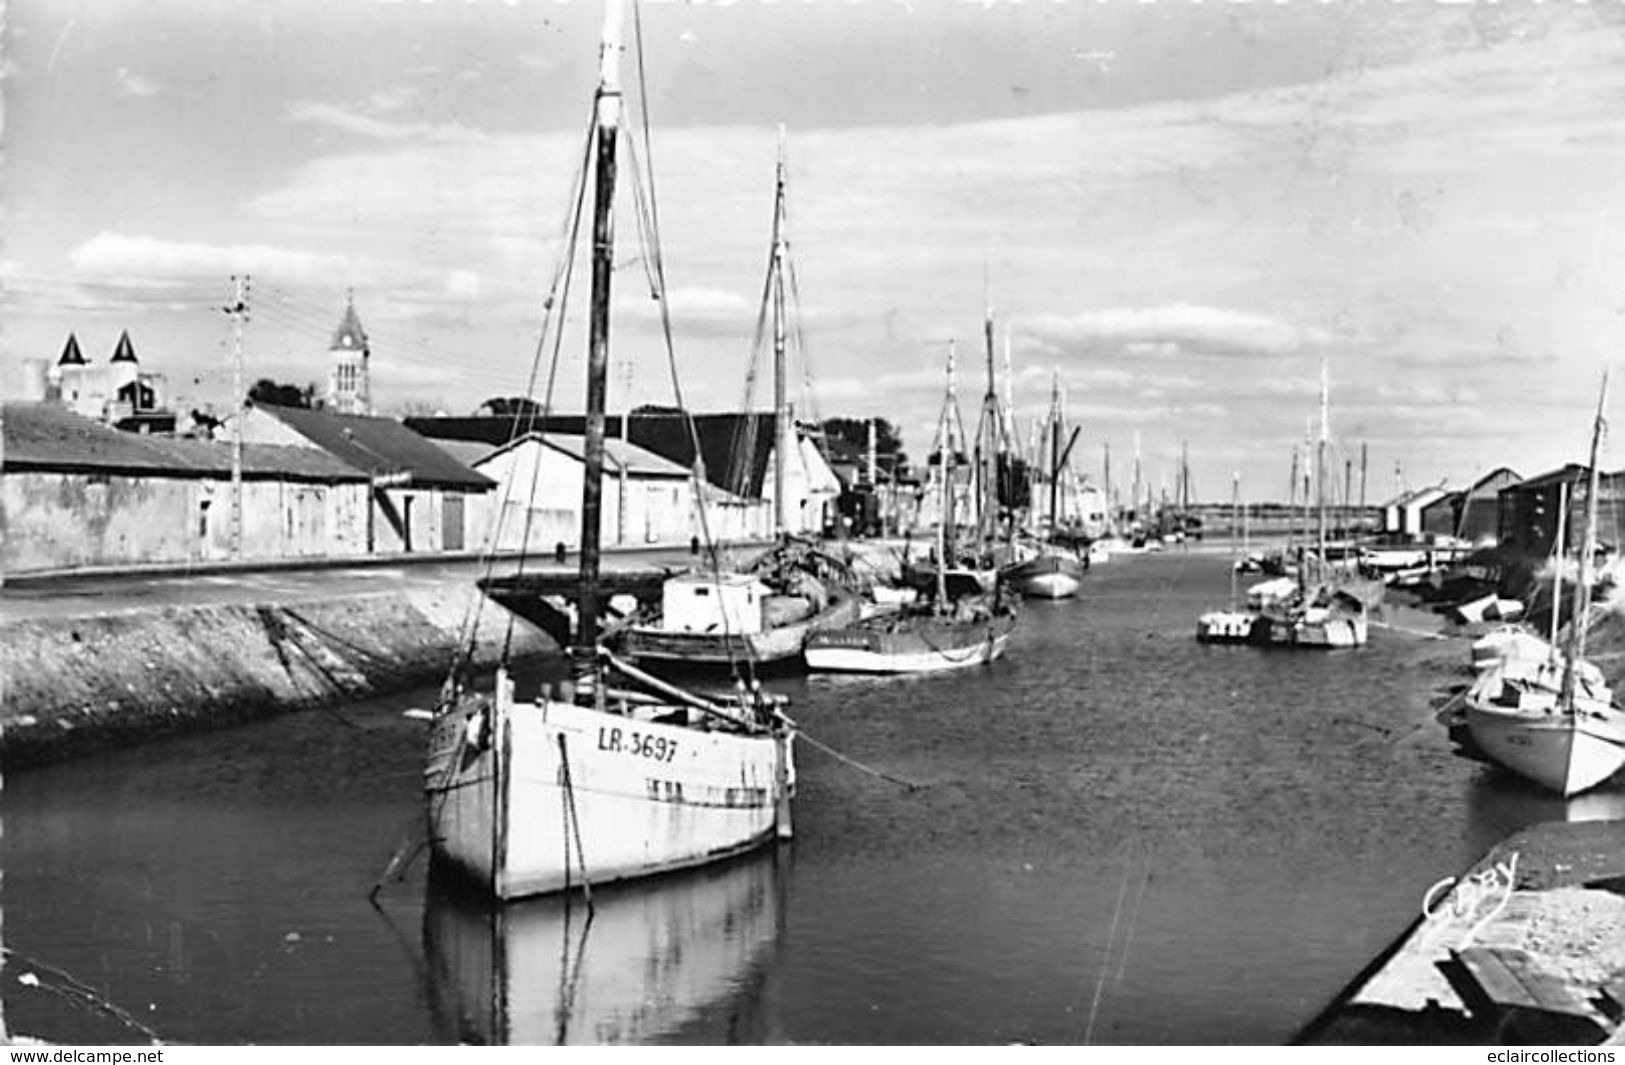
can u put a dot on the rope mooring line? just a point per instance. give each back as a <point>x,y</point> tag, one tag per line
<point>855,764</point>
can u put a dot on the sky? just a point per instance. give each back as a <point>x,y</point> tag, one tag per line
<point>1181,211</point>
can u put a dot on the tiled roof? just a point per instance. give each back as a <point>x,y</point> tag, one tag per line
<point>737,447</point>
<point>41,437</point>
<point>382,447</point>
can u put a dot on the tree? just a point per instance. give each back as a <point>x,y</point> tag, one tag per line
<point>853,433</point>
<point>509,406</point>
<point>272,394</point>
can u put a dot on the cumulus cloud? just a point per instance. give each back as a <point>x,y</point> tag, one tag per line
<point>1177,328</point>
<point>120,256</point>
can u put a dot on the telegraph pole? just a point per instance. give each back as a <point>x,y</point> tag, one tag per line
<point>237,310</point>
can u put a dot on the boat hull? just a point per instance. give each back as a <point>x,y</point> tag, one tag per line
<point>1227,626</point>
<point>780,644</point>
<point>542,796</point>
<point>923,645</point>
<point>1048,576</point>
<point>1565,752</point>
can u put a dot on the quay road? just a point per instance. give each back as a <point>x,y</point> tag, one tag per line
<point>68,594</point>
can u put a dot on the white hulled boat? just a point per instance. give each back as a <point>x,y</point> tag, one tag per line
<point>1556,722</point>
<point>615,774</point>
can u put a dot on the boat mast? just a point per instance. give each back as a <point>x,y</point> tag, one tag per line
<point>1558,547</point>
<point>1320,471</point>
<point>784,431</point>
<point>1235,518</point>
<point>1055,454</point>
<point>945,469</point>
<point>1582,605</point>
<point>988,520</point>
<point>607,126</point>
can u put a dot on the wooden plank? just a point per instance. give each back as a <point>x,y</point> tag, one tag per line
<point>1510,978</point>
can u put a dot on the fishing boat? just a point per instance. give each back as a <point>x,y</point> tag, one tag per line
<point>1233,624</point>
<point>1330,607</point>
<point>764,612</point>
<point>960,622</point>
<point>1556,722</point>
<point>1052,570</point>
<point>614,773</point>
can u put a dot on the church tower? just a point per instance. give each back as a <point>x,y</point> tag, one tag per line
<point>348,389</point>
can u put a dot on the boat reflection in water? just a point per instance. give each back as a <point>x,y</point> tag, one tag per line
<point>1500,804</point>
<point>680,958</point>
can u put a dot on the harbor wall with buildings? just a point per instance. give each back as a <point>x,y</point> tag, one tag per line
<point>80,683</point>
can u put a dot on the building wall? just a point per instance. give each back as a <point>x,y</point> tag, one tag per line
<point>71,520</point>
<point>1438,518</point>
<point>542,485</point>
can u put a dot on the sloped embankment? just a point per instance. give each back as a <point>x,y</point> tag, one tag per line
<point>82,683</point>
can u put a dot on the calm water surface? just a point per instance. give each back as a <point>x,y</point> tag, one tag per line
<point>1120,836</point>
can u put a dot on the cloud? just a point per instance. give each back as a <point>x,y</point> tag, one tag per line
<point>348,120</point>
<point>130,85</point>
<point>119,256</point>
<point>1172,329</point>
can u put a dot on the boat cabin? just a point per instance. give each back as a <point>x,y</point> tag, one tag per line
<point>703,602</point>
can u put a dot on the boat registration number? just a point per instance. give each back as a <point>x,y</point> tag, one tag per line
<point>631,741</point>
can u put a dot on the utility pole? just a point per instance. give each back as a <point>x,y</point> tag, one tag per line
<point>237,310</point>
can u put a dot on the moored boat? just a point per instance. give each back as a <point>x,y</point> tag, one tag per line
<point>616,773</point>
<point>1554,722</point>
<point>1052,573</point>
<point>913,643</point>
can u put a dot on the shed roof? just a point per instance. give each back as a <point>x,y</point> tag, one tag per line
<point>381,447</point>
<point>736,447</point>
<point>42,437</point>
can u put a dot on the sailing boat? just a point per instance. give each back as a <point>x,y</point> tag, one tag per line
<point>1054,570</point>
<point>961,621</point>
<point>615,773</point>
<point>1558,725</point>
<point>1331,612</point>
<point>764,613</point>
<point>1233,625</point>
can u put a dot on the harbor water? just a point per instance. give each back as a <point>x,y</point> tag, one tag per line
<point>1114,835</point>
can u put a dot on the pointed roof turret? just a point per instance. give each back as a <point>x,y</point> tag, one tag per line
<point>71,355</point>
<point>349,336</point>
<point>125,352</point>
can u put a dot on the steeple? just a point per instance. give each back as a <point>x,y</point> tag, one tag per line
<point>125,352</point>
<point>71,355</point>
<point>349,335</point>
<point>349,390</point>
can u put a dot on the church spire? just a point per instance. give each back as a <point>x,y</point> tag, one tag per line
<point>125,351</point>
<point>71,355</point>
<point>349,336</point>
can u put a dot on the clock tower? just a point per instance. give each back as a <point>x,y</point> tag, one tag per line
<point>349,390</point>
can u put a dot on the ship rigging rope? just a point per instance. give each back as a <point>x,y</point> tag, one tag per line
<point>648,218</point>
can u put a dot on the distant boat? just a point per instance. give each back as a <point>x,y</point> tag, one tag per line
<point>1330,607</point>
<point>1554,721</point>
<point>1233,624</point>
<point>615,774</point>
<point>1053,569</point>
<point>960,622</point>
<point>764,613</point>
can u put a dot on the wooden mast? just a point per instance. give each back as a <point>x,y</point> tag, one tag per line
<point>785,432</point>
<point>1320,474</point>
<point>606,130</point>
<point>1055,455</point>
<point>1582,593</point>
<point>988,445</point>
